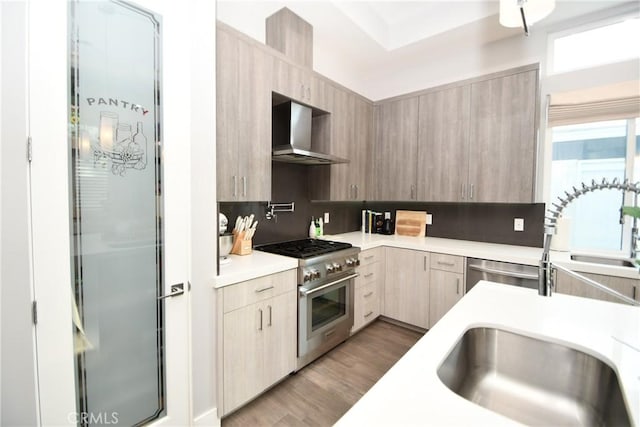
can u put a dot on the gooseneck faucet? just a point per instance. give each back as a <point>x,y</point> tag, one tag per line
<point>634,231</point>
<point>546,280</point>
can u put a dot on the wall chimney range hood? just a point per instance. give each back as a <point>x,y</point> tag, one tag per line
<point>291,136</point>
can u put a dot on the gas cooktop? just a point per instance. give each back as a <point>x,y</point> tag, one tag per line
<point>305,248</point>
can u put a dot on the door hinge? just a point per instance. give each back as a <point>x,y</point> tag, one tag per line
<point>29,149</point>
<point>34,312</point>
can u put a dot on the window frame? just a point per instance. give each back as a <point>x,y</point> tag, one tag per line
<point>629,198</point>
<point>591,25</point>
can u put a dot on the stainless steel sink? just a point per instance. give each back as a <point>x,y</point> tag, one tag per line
<point>532,381</point>
<point>619,262</point>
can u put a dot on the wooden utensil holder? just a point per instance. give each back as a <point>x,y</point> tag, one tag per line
<point>240,245</point>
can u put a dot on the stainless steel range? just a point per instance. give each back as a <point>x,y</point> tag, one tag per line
<point>326,273</point>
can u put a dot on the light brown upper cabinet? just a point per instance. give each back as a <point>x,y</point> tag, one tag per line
<point>291,81</point>
<point>243,108</point>
<point>476,142</point>
<point>394,156</point>
<point>350,137</point>
<point>443,144</point>
<point>502,139</point>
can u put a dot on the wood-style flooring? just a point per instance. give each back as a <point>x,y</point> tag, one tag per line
<point>320,393</point>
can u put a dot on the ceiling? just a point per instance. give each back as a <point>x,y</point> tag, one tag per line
<point>364,43</point>
<point>396,24</point>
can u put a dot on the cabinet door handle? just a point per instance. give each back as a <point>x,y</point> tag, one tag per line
<point>450,264</point>
<point>368,314</point>
<point>458,286</point>
<point>634,292</point>
<point>260,327</point>
<point>462,191</point>
<point>471,192</point>
<point>309,93</point>
<point>356,188</point>
<point>244,186</point>
<point>413,190</point>
<point>368,294</point>
<point>235,186</point>
<point>425,263</point>
<point>264,289</point>
<point>368,257</point>
<point>301,91</point>
<point>269,324</point>
<point>368,275</point>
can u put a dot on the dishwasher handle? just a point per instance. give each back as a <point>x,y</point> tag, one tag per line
<point>503,272</point>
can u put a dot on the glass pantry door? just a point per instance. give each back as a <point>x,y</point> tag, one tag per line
<point>126,230</point>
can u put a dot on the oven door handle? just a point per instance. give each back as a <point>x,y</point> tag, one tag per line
<point>304,292</point>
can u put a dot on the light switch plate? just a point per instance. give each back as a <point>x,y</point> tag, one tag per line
<point>518,224</point>
<point>326,217</point>
<point>429,219</point>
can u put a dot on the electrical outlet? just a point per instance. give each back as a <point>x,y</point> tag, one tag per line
<point>518,224</point>
<point>326,217</point>
<point>429,219</point>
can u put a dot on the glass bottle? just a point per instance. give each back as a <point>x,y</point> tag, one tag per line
<point>140,146</point>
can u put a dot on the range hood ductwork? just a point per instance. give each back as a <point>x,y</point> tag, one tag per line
<point>291,137</point>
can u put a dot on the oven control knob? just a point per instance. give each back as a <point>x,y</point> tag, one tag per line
<point>330,268</point>
<point>306,276</point>
<point>357,262</point>
<point>350,262</point>
<point>337,266</point>
<point>315,274</point>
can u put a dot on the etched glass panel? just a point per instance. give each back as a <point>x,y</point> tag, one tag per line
<point>118,320</point>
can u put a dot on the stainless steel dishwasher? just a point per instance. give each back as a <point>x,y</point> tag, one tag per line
<point>501,272</point>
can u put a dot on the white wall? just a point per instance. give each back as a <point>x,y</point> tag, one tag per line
<point>204,223</point>
<point>18,404</point>
<point>345,54</point>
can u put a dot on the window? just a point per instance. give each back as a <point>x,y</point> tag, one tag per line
<point>592,151</point>
<point>607,43</point>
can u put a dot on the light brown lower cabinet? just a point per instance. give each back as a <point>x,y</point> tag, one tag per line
<point>406,286</point>
<point>568,285</point>
<point>446,284</point>
<point>445,291</point>
<point>258,339</point>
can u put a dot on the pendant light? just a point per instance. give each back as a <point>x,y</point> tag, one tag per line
<point>516,13</point>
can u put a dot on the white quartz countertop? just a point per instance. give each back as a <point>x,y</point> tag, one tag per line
<point>247,267</point>
<point>259,263</point>
<point>410,393</point>
<point>506,253</point>
<point>492,251</point>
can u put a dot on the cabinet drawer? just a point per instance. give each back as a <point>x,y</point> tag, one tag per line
<point>369,256</point>
<point>366,305</point>
<point>368,273</point>
<point>261,288</point>
<point>444,262</point>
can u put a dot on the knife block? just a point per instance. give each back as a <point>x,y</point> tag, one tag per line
<point>240,245</point>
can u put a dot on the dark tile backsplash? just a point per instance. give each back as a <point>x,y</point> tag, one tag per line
<point>483,222</point>
<point>290,184</point>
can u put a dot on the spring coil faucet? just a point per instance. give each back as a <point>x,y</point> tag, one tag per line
<point>546,280</point>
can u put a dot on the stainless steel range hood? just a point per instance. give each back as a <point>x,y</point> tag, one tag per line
<point>291,136</point>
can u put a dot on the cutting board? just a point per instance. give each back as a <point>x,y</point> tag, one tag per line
<point>411,223</point>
